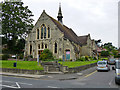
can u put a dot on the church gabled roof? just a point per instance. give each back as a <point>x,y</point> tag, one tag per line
<point>68,33</point>
<point>83,39</point>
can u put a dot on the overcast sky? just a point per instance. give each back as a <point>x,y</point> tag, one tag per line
<point>97,17</point>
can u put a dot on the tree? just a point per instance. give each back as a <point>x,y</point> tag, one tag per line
<point>98,42</point>
<point>115,52</point>
<point>105,53</point>
<point>16,23</point>
<point>109,46</point>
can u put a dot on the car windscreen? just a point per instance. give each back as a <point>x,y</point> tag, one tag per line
<point>112,59</point>
<point>117,65</point>
<point>102,63</point>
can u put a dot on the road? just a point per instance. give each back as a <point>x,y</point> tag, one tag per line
<point>92,80</point>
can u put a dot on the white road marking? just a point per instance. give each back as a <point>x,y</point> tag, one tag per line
<point>52,87</point>
<point>25,83</point>
<point>50,76</point>
<point>8,86</point>
<point>18,82</point>
<point>80,74</point>
<point>18,85</point>
<point>111,82</point>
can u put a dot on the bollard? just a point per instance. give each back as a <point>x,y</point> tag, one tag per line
<point>15,64</point>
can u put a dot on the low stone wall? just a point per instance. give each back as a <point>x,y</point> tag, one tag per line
<point>80,68</point>
<point>63,69</point>
<point>23,71</point>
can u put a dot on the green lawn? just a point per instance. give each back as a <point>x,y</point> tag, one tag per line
<point>29,65</point>
<point>76,63</point>
<point>33,65</point>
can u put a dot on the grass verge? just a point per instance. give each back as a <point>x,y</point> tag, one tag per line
<point>76,63</point>
<point>29,65</point>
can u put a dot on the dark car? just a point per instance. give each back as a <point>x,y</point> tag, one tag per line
<point>111,61</point>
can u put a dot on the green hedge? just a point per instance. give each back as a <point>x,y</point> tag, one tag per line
<point>5,57</point>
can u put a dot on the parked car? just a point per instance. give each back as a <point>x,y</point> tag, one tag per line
<point>103,66</point>
<point>117,71</point>
<point>111,61</point>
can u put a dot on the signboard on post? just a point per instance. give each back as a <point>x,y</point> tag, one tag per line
<point>38,59</point>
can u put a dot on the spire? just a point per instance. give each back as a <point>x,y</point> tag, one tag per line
<point>60,14</point>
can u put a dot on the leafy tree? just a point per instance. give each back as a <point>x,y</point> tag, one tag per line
<point>105,53</point>
<point>115,52</point>
<point>16,23</point>
<point>19,47</point>
<point>109,46</point>
<point>46,54</point>
<point>98,42</point>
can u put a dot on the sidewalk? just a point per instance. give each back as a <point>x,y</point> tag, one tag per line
<point>52,75</point>
<point>21,75</point>
<point>70,76</point>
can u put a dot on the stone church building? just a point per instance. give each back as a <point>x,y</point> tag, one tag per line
<point>62,41</point>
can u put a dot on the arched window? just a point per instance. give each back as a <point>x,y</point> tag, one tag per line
<point>30,49</point>
<point>38,46</point>
<point>55,47</point>
<point>42,33</point>
<point>45,45</point>
<point>37,33</point>
<point>42,45</point>
<point>48,32</point>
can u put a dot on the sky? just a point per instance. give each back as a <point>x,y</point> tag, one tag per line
<point>97,17</point>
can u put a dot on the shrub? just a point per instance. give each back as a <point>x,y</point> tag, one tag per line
<point>5,57</point>
<point>95,58</point>
<point>21,56</point>
<point>70,59</point>
<point>46,54</point>
<point>26,58</point>
<point>0,56</point>
<point>117,56</point>
<point>30,56</point>
<point>86,58</point>
<point>82,58</point>
<point>91,58</point>
<point>60,59</point>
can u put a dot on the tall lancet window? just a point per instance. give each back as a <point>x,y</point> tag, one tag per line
<point>42,33</point>
<point>55,47</point>
<point>37,33</point>
<point>30,49</point>
<point>42,45</point>
<point>48,32</point>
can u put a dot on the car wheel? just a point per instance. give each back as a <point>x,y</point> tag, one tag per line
<point>116,82</point>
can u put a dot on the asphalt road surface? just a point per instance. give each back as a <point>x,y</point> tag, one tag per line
<point>92,80</point>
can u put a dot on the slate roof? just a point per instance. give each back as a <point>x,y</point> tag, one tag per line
<point>68,33</point>
<point>83,39</point>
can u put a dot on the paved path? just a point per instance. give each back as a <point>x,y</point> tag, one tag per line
<point>52,75</point>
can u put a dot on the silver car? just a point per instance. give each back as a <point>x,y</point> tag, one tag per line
<point>103,66</point>
<point>111,61</point>
<point>117,71</point>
